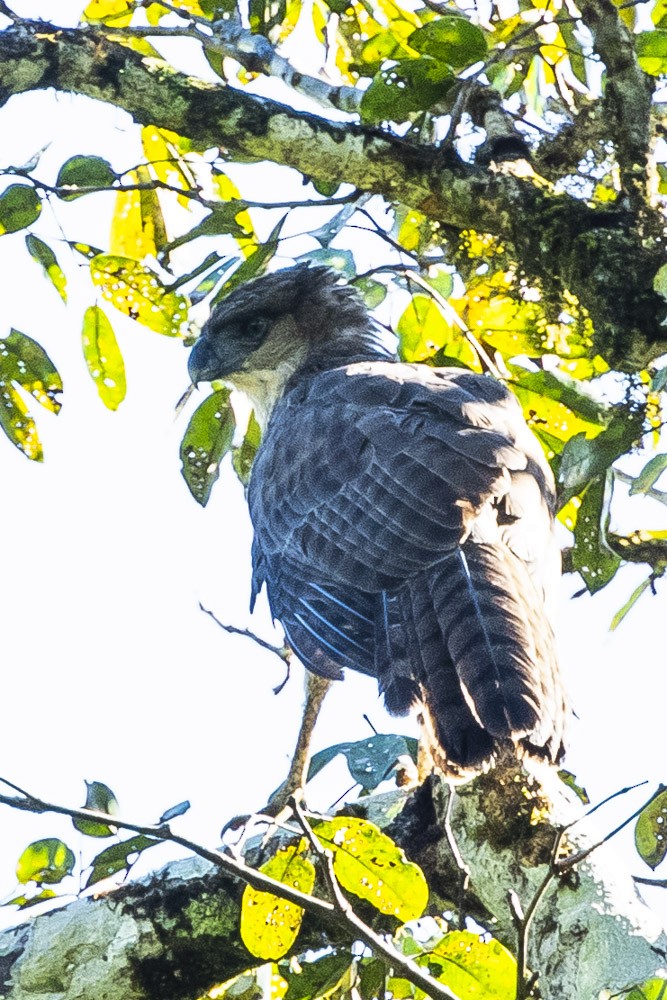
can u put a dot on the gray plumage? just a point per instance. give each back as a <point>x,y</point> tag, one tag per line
<point>403,517</point>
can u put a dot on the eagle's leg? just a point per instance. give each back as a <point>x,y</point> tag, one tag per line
<point>316,688</point>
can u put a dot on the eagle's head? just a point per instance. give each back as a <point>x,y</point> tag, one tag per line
<point>269,328</point>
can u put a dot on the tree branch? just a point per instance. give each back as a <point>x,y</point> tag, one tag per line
<point>563,242</point>
<point>627,97</point>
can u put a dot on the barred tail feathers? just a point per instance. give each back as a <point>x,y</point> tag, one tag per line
<point>502,647</point>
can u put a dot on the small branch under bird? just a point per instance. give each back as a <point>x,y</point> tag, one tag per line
<point>403,518</point>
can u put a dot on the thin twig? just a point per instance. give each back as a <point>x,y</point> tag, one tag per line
<point>464,871</point>
<point>235,868</point>
<point>339,913</point>
<point>283,652</point>
<point>406,966</point>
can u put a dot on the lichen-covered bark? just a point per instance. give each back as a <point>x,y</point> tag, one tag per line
<point>601,256</point>
<point>176,933</point>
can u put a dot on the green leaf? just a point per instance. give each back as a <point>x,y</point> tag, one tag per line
<point>649,475</point>
<point>369,761</point>
<point>591,556</point>
<point>570,780</point>
<point>584,458</point>
<point>100,798</point>
<point>46,861</point>
<point>252,265</point>
<point>651,49</point>
<point>370,865</point>
<point>318,978</point>
<point>174,811</point>
<point>206,441</point>
<point>270,924</point>
<point>138,292</point>
<point>103,357</point>
<point>23,901</point>
<point>43,255</point>
<point>118,857</point>
<point>23,362</point>
<point>659,380</point>
<point>372,975</point>
<point>630,603</point>
<point>651,989</point>
<point>84,172</point>
<point>651,830</point>
<point>450,39</point>
<point>410,85</point>
<point>373,292</point>
<point>19,207</point>
<point>471,967</point>
<point>423,331</point>
<point>244,455</point>
<point>339,260</point>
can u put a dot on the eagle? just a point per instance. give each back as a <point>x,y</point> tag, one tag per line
<point>402,516</point>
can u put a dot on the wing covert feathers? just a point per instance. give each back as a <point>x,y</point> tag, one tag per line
<point>403,526</point>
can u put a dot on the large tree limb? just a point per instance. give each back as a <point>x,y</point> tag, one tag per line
<point>561,241</point>
<point>175,933</point>
<point>627,96</point>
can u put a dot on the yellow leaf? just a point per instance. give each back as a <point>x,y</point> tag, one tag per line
<point>138,292</point>
<point>270,924</point>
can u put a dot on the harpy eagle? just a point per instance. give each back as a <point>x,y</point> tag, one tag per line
<point>402,514</point>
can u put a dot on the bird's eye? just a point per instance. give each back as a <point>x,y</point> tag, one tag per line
<point>255,328</point>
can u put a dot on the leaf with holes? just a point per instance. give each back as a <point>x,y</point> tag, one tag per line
<point>43,255</point>
<point>270,924</point>
<point>410,85</point>
<point>138,292</point>
<point>451,39</point>
<point>100,798</point>
<point>369,761</point>
<point>46,861</point>
<point>591,555</point>
<point>84,172</point>
<point>206,441</point>
<point>651,830</point>
<point>19,207</point>
<point>137,227</point>
<point>16,421</point>
<point>118,857</point>
<point>472,967</point>
<point>103,357</point>
<point>370,865</point>
<point>24,363</point>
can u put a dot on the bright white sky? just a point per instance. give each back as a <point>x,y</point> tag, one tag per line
<point>112,672</point>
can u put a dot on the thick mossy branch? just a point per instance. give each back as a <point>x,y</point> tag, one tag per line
<point>600,256</point>
<point>627,97</point>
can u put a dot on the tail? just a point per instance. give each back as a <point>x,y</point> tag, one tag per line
<point>484,653</point>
